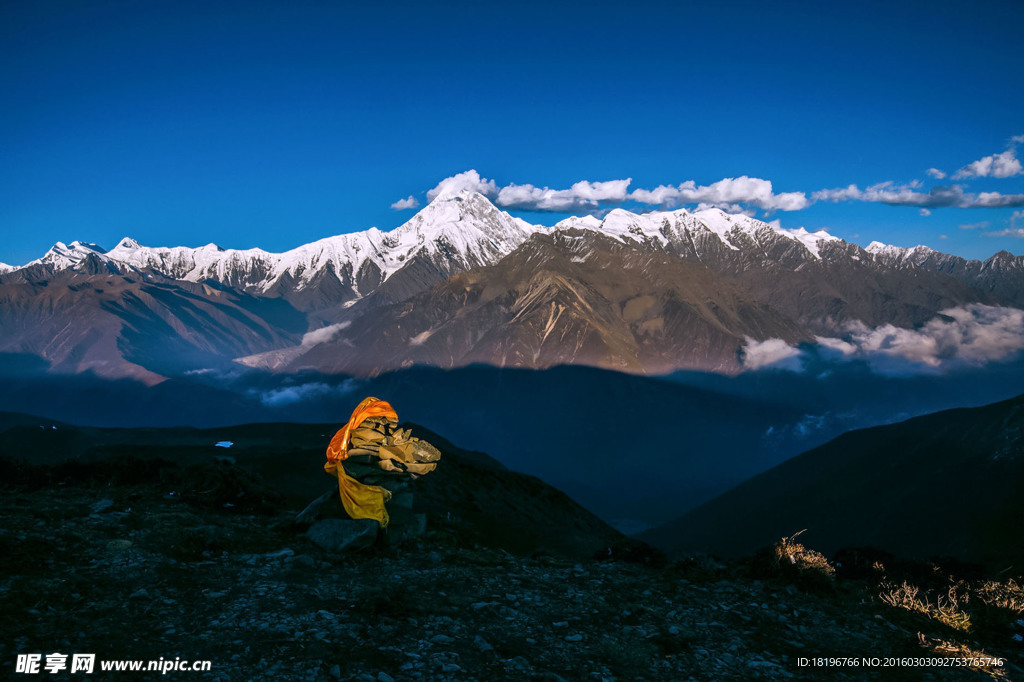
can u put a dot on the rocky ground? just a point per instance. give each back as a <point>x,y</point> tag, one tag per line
<point>137,570</point>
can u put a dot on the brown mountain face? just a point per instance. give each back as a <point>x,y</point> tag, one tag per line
<point>846,283</point>
<point>635,304</point>
<point>572,297</point>
<point>463,282</point>
<point>137,326</point>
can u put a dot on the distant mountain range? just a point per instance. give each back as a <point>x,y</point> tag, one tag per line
<point>463,282</point>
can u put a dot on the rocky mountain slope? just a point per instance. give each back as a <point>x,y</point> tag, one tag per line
<point>942,484</point>
<point>137,325</point>
<point>464,282</point>
<point>572,297</point>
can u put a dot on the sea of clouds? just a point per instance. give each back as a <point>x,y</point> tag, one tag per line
<point>970,335</point>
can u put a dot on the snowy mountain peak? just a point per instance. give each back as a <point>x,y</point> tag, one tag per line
<point>918,252</point>
<point>456,231</point>
<point>681,226</point>
<point>62,256</point>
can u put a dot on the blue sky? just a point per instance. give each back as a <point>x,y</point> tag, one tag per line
<point>274,124</point>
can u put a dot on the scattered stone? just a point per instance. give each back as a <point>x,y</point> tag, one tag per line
<point>339,535</point>
<point>283,554</point>
<point>517,664</point>
<point>304,561</point>
<point>101,506</point>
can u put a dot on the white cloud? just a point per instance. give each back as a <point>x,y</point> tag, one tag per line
<point>772,353</point>
<point>848,193</point>
<point>1003,165</point>
<point>975,226</point>
<point>906,195</point>
<point>1017,232</point>
<point>728,193</point>
<point>469,180</point>
<point>735,195</point>
<point>1017,215</point>
<point>974,334</point>
<point>324,334</point>
<point>741,194</point>
<point>582,196</point>
<point>408,202</point>
<point>288,395</point>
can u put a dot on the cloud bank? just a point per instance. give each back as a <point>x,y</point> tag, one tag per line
<point>743,194</point>
<point>908,195</point>
<point>971,335</point>
<point>583,196</point>
<point>727,192</point>
<point>773,353</point>
<point>586,196</point>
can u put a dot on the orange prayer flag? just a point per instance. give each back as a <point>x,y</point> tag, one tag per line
<point>361,501</point>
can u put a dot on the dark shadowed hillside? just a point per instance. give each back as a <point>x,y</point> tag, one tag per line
<point>470,495</point>
<point>945,484</point>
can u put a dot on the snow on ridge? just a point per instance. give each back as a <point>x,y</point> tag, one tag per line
<point>621,224</point>
<point>810,240</point>
<point>63,255</point>
<point>461,227</point>
<point>877,248</point>
<point>457,230</point>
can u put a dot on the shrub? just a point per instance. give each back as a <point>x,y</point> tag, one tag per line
<point>789,561</point>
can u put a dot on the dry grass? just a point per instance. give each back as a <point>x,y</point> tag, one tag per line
<point>945,609</point>
<point>1006,595</point>
<point>792,562</point>
<point>972,615</point>
<point>949,649</point>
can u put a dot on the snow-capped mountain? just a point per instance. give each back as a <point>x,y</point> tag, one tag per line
<point>682,230</point>
<point>454,233</point>
<point>463,281</point>
<point>62,256</point>
<point>462,230</point>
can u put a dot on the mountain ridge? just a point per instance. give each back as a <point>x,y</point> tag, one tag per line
<point>456,285</point>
